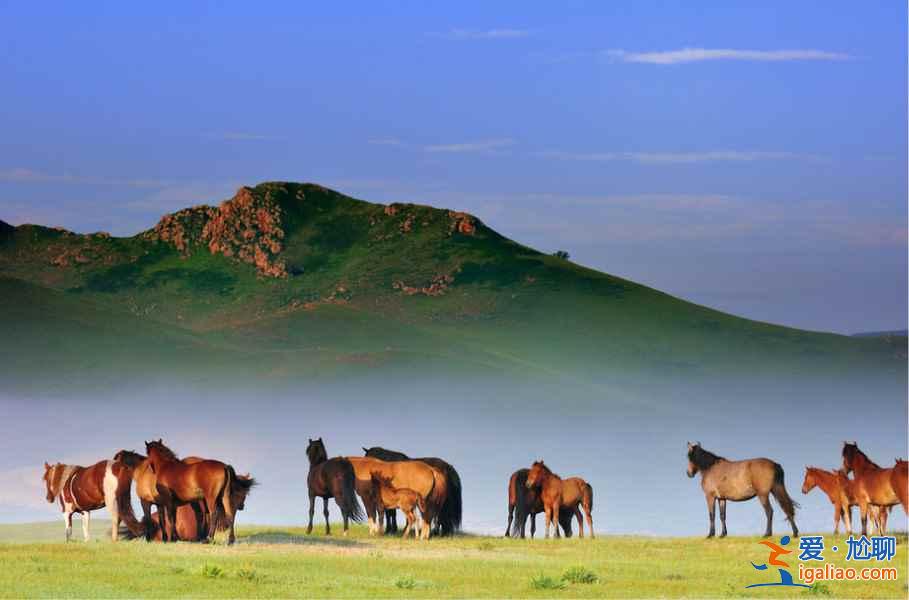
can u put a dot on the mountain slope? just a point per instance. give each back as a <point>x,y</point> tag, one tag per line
<point>296,278</point>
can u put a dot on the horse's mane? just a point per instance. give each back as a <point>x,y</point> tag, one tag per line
<point>166,452</point>
<point>385,454</point>
<point>244,483</point>
<point>543,466</point>
<point>850,451</point>
<point>129,458</point>
<point>703,459</point>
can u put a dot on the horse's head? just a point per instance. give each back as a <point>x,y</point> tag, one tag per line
<point>129,458</point>
<point>380,480</point>
<point>50,473</point>
<point>810,481</point>
<point>316,452</point>
<point>535,476</point>
<point>850,453</point>
<point>693,450</point>
<point>158,452</point>
<point>240,487</point>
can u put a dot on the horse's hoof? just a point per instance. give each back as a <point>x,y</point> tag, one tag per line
<point>710,535</point>
<point>722,535</point>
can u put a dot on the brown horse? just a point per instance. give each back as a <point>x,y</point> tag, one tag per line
<point>740,480</point>
<point>331,478</point>
<point>84,489</point>
<point>872,482</point>
<point>557,493</point>
<point>180,483</point>
<point>427,481</point>
<point>448,520</point>
<point>840,490</point>
<point>151,495</point>
<point>188,527</point>
<point>404,498</point>
<point>524,502</point>
<point>899,479</point>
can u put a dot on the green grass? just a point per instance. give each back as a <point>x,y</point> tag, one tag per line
<point>283,562</point>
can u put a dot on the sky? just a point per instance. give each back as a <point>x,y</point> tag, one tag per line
<point>751,157</point>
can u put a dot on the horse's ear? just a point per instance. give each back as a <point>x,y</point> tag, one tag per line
<point>46,466</point>
<point>690,445</point>
<point>365,449</point>
<point>320,438</point>
<point>310,440</point>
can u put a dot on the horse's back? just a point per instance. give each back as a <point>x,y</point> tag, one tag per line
<point>740,479</point>
<point>573,489</point>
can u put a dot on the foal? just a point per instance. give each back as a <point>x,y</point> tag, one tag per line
<point>837,490</point>
<point>406,499</point>
<point>557,494</point>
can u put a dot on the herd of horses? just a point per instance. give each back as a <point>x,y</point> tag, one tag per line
<point>874,489</point>
<point>196,497</point>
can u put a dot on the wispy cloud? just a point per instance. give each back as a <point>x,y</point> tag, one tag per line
<point>242,136</point>
<point>484,34</point>
<point>23,175</point>
<point>386,142</point>
<point>679,157</point>
<point>687,55</point>
<point>478,146</point>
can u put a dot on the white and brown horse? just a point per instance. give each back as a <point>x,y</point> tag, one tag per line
<point>84,489</point>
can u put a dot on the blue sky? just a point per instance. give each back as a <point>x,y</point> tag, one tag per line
<point>751,157</point>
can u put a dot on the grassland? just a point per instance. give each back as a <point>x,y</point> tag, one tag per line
<point>282,562</point>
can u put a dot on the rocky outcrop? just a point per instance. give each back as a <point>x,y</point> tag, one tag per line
<point>461,222</point>
<point>246,228</point>
<point>437,287</point>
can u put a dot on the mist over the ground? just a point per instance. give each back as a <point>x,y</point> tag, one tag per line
<point>629,442</point>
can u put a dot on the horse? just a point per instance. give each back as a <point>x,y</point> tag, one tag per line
<point>899,479</point>
<point>427,481</point>
<point>557,493</point>
<point>403,498</point>
<point>331,478</point>
<point>449,517</point>
<point>150,494</point>
<point>180,483</point>
<point>873,483</point>
<point>841,493</point>
<point>740,480</point>
<point>84,489</point>
<point>187,524</point>
<point>525,502</point>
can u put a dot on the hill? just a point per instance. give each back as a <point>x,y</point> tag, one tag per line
<point>299,279</point>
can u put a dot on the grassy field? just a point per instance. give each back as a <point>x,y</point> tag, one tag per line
<point>282,562</point>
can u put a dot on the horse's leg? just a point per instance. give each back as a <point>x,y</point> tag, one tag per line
<point>68,522</point>
<point>162,522</point>
<point>325,514</point>
<point>555,518</point>
<point>201,530</point>
<point>711,512</point>
<point>409,516</point>
<point>863,509</point>
<point>587,511</point>
<point>312,511</point>
<point>768,510</point>
<point>837,511</point>
<point>510,519</point>
<point>723,516</point>
<point>172,517</point>
<point>885,514</point>
<point>577,514</point>
<point>533,526</point>
<point>847,519</point>
<point>146,520</point>
<point>86,524</point>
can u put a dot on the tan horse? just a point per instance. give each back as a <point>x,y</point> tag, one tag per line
<point>84,489</point>
<point>427,481</point>
<point>557,494</point>
<point>404,498</point>
<point>873,483</point>
<point>740,480</point>
<point>208,481</point>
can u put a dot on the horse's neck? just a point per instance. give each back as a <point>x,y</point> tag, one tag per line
<point>68,472</point>
<point>551,479</point>
<point>863,464</point>
<point>388,493</point>
<point>828,483</point>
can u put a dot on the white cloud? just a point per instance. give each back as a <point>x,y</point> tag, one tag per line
<point>485,34</point>
<point>241,136</point>
<point>687,55</point>
<point>679,157</point>
<point>385,142</point>
<point>478,146</point>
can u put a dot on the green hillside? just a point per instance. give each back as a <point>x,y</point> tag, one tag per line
<point>291,279</point>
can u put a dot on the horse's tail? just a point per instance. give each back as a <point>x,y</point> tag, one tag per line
<point>223,504</point>
<point>133,527</point>
<point>521,508</point>
<point>782,496</point>
<point>588,496</point>
<point>345,493</point>
<point>450,512</point>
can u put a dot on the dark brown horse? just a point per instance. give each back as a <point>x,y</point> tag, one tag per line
<point>331,478</point>
<point>873,483</point>
<point>557,494</point>
<point>180,483</point>
<point>524,502</point>
<point>405,499</point>
<point>84,489</point>
<point>448,521</point>
<point>740,480</point>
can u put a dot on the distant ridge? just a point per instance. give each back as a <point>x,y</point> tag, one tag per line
<point>874,334</point>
